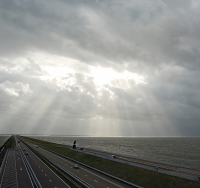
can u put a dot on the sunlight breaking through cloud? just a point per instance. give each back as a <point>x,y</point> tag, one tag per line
<point>85,67</point>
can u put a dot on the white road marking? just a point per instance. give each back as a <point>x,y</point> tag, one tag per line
<point>45,175</point>
<point>102,178</point>
<point>95,180</point>
<point>86,170</point>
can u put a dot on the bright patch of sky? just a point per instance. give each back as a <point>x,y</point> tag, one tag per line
<point>118,68</point>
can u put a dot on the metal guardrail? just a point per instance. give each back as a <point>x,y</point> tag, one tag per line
<point>1,149</point>
<point>30,171</point>
<point>82,182</point>
<point>70,174</point>
<point>65,175</point>
<point>14,140</point>
<point>116,159</point>
<point>119,179</point>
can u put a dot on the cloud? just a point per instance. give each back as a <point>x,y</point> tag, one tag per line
<point>132,65</point>
<point>15,89</point>
<point>102,32</point>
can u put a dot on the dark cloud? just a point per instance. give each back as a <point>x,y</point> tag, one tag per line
<point>41,41</point>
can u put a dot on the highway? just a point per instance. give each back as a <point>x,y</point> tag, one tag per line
<point>9,174</point>
<point>45,176</point>
<point>92,177</point>
<point>18,170</point>
<point>14,173</point>
<point>23,168</point>
<point>23,177</point>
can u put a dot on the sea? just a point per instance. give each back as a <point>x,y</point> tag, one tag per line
<point>184,151</point>
<point>3,139</point>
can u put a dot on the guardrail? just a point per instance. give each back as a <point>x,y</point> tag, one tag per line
<point>30,171</point>
<point>15,143</point>
<point>69,173</point>
<point>114,177</point>
<point>2,147</point>
<point>79,180</point>
<point>119,179</point>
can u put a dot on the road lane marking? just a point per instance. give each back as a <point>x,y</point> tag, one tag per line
<point>95,180</point>
<point>93,174</point>
<point>102,178</point>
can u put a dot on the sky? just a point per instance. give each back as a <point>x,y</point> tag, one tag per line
<point>100,67</point>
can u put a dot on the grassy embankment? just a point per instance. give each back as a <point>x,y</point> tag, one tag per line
<point>142,177</point>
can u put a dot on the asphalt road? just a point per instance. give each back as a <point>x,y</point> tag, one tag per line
<point>23,177</point>
<point>9,173</point>
<point>14,173</point>
<point>44,174</point>
<point>92,177</point>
